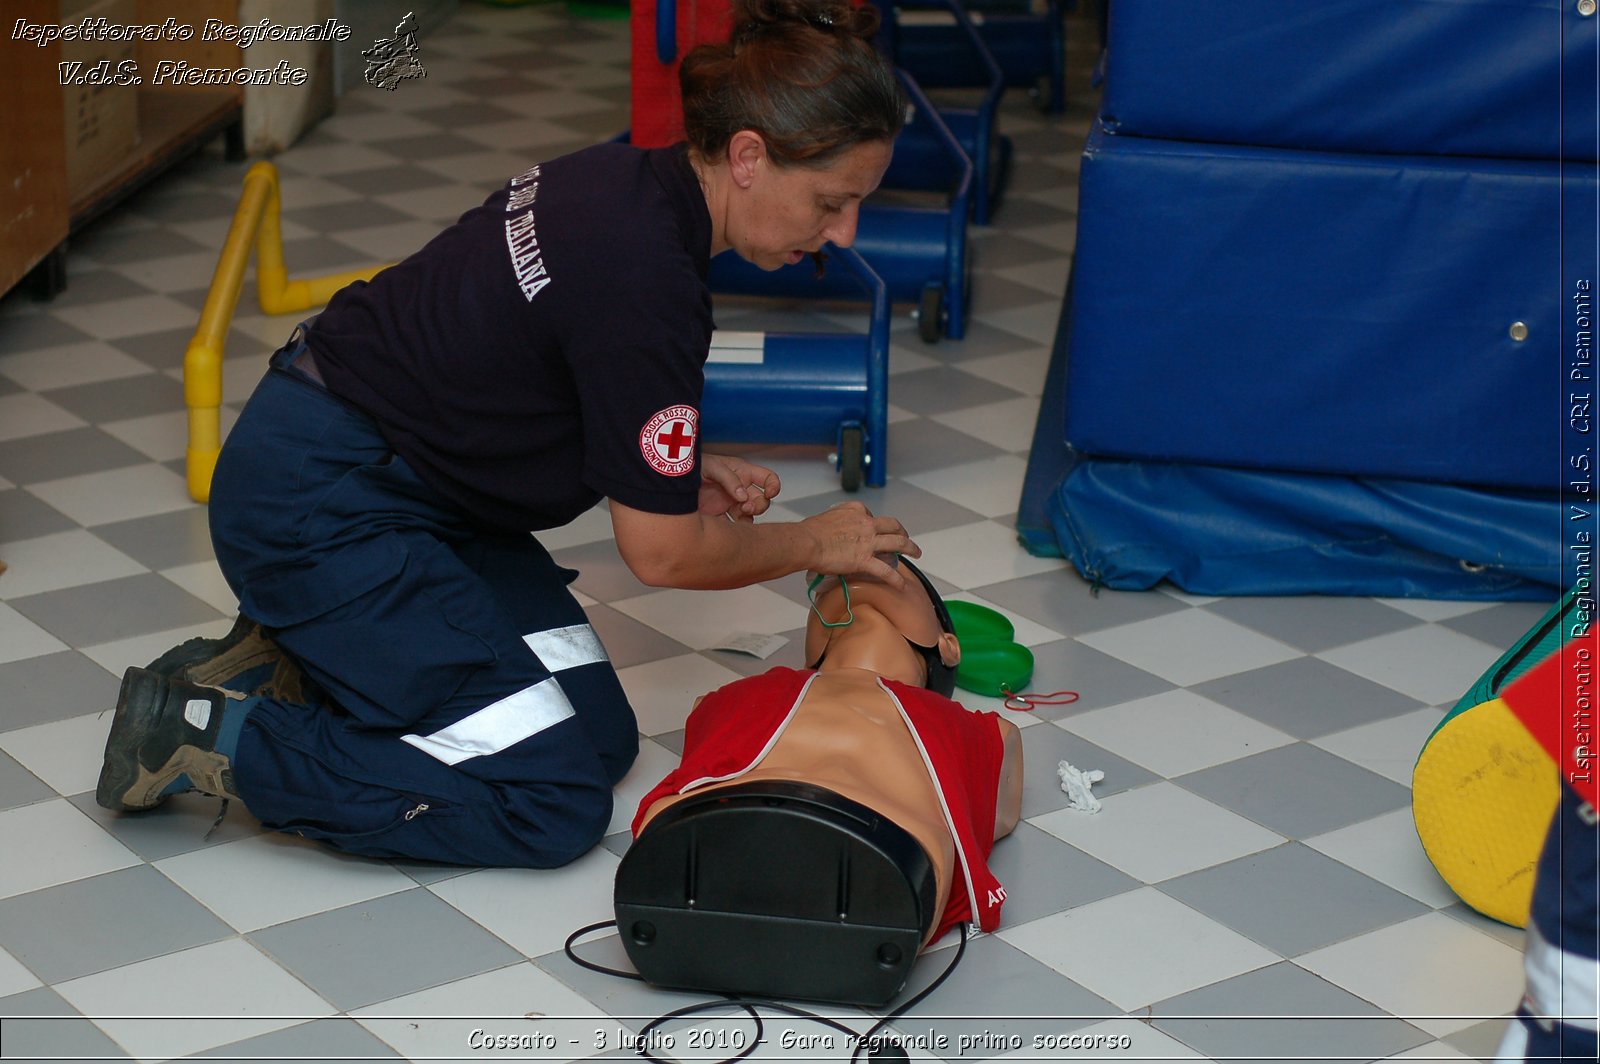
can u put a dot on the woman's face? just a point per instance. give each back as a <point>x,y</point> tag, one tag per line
<point>785,213</point>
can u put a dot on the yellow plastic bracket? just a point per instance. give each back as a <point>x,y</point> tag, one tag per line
<point>256,222</point>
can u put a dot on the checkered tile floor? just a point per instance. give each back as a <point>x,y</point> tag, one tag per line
<point>1255,856</point>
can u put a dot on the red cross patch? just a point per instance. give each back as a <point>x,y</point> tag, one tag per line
<point>667,440</point>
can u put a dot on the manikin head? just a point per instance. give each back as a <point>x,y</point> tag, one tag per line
<point>860,621</point>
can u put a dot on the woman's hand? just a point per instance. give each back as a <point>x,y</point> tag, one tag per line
<point>851,539</point>
<point>733,486</point>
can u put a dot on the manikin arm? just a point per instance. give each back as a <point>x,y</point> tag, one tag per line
<point>1008,796</point>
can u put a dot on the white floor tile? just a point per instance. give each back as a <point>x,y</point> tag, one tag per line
<point>653,764</point>
<point>979,554</point>
<point>328,159</point>
<point>1158,831</point>
<point>440,204</point>
<point>116,494</point>
<point>1048,276</point>
<point>518,1003</point>
<point>1007,425</point>
<point>21,638</point>
<point>703,619</point>
<point>272,878</point>
<point>130,317</point>
<point>65,559</point>
<point>1028,633</point>
<point>193,1000</point>
<point>1432,1051</point>
<point>204,580</point>
<point>69,365</point>
<point>1387,849</point>
<point>1435,972</point>
<point>388,243</point>
<point>116,657</point>
<point>14,978</point>
<point>1434,609</point>
<point>1190,646</point>
<point>1106,946</point>
<point>66,754</point>
<point>1388,747</point>
<point>1431,664</point>
<point>159,437</point>
<point>61,845</point>
<point>1036,321</point>
<point>1175,732</point>
<point>1022,371</point>
<point>569,897</point>
<point>27,414</point>
<point>991,487</point>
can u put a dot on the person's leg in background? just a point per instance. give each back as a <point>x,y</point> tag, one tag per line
<point>1557,1019</point>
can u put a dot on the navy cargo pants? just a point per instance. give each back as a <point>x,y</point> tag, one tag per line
<point>472,715</point>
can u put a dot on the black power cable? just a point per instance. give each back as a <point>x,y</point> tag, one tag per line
<point>863,1042</point>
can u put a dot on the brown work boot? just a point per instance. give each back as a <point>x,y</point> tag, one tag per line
<point>244,662</point>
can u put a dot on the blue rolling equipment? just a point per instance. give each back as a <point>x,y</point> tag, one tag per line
<point>1030,47</point>
<point>920,161</point>
<point>919,252</point>
<point>828,388</point>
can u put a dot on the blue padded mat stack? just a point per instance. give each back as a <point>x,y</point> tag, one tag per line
<point>1324,333</point>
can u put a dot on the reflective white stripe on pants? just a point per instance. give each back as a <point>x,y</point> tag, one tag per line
<point>498,725</point>
<point>530,711</point>
<point>566,648</point>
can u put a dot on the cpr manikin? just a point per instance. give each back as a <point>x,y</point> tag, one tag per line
<point>825,823</point>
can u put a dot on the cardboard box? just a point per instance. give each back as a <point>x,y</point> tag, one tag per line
<point>102,120</point>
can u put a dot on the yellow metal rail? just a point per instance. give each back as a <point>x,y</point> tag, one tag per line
<point>257,222</point>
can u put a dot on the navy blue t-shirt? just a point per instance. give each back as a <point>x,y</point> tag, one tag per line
<point>548,348</point>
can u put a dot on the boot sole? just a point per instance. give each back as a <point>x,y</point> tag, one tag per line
<point>125,783</point>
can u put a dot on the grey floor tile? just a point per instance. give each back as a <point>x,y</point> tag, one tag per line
<point>36,459</point>
<point>18,786</point>
<point>1099,679</point>
<point>1500,625</point>
<point>1515,937</point>
<point>939,390</point>
<point>335,216</point>
<point>1265,897</point>
<point>1314,623</point>
<point>601,572</point>
<point>919,446</point>
<point>1043,876</point>
<point>1003,251</point>
<point>40,1025</point>
<point>127,397</point>
<point>1065,602</point>
<point>115,247</point>
<point>1307,697</point>
<point>384,948</point>
<point>169,202</point>
<point>181,824</point>
<point>115,609</point>
<point>1298,790</point>
<point>918,510</point>
<point>982,340</point>
<point>629,642</point>
<point>54,687</point>
<point>96,286</point>
<point>387,180</point>
<point>313,255</point>
<point>164,350</point>
<point>1045,746</point>
<point>462,115</point>
<point>1313,1018</point>
<point>991,292</point>
<point>630,1000</point>
<point>317,1042</point>
<point>23,515</point>
<point>118,918</point>
<point>32,332</point>
<point>997,998</point>
<point>1480,1041</point>
<point>162,541</point>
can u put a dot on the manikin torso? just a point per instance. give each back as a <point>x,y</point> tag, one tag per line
<point>848,737</point>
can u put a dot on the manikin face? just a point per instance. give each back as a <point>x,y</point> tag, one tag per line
<point>782,214</point>
<point>876,608</point>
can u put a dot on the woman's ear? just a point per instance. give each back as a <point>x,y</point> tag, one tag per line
<point>950,649</point>
<point>746,150</point>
